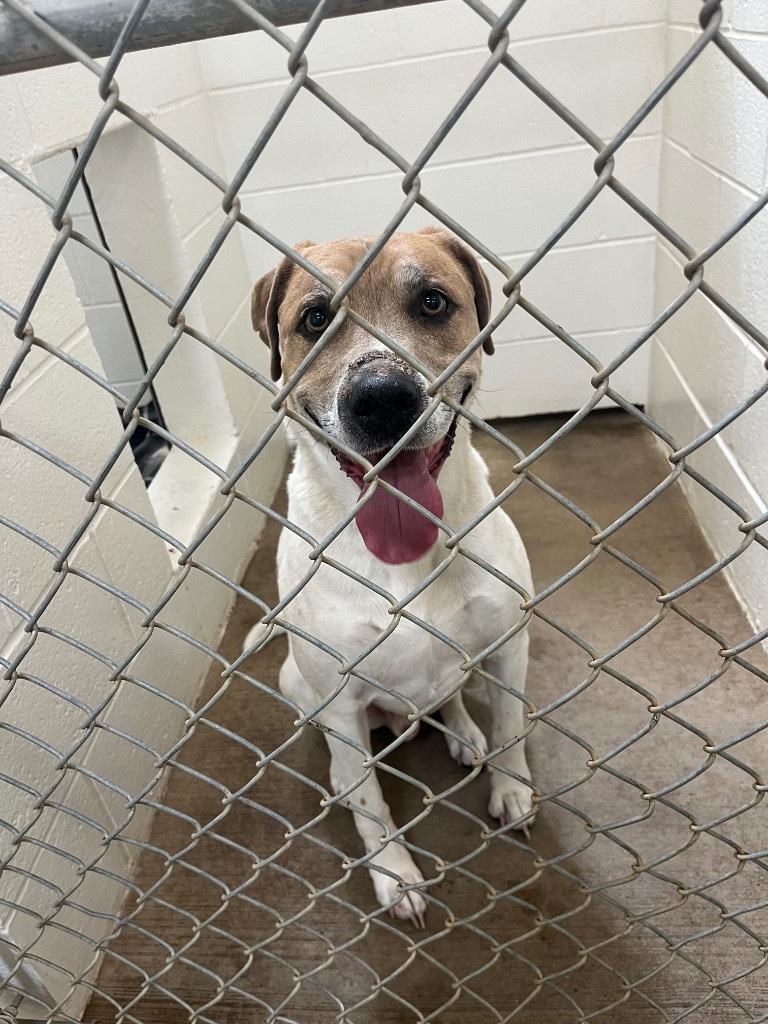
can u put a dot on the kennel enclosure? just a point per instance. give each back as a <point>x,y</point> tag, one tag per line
<point>165,855</point>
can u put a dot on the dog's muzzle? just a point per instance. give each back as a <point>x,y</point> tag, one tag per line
<point>378,404</point>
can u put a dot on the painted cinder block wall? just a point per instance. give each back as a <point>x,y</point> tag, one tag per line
<point>509,171</point>
<point>714,165</point>
<point>160,217</point>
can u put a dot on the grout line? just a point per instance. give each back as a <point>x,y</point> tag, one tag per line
<point>439,55</point>
<point>200,224</point>
<point>706,419</point>
<point>178,104</point>
<point>448,165</point>
<point>47,364</point>
<point>677,264</point>
<point>608,243</point>
<point>721,175</point>
<point>582,336</point>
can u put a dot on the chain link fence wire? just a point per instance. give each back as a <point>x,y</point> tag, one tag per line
<point>667,936</point>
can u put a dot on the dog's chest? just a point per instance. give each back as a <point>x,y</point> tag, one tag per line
<point>412,652</point>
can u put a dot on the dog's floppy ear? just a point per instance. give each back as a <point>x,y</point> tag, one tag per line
<point>480,283</point>
<point>266,297</point>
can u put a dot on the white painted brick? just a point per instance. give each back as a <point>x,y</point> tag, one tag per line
<point>52,174</point>
<point>601,79</point>
<point>18,134</point>
<point>170,665</point>
<point>564,377</point>
<point>152,79</point>
<point>738,270</point>
<point>137,561</point>
<point>61,104</point>
<point>584,290</point>
<point>26,565</point>
<point>134,201</point>
<point>114,341</point>
<point>746,16</point>
<point>58,314</point>
<point>740,15</point>
<point>408,32</point>
<point>92,275</point>
<point>82,425</point>
<point>720,367</point>
<point>225,285</point>
<point>239,338</point>
<point>685,12</point>
<point>706,351</point>
<point>748,435</point>
<point>672,404</point>
<point>731,131</point>
<point>192,195</point>
<point>668,404</point>
<point>689,197</point>
<point>50,505</point>
<point>512,203</point>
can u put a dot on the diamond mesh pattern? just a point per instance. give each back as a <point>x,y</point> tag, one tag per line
<point>247,941</point>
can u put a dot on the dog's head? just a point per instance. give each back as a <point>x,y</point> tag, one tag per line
<point>428,293</point>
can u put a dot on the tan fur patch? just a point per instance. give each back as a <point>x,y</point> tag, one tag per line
<point>388,295</point>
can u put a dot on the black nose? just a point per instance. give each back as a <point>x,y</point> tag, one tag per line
<point>380,407</point>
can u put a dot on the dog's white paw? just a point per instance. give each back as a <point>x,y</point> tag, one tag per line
<point>471,746</point>
<point>406,906</point>
<point>511,801</point>
<point>466,740</point>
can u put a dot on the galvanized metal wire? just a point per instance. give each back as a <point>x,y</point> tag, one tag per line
<point>266,950</point>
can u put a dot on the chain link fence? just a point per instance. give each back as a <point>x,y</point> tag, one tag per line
<point>286,931</point>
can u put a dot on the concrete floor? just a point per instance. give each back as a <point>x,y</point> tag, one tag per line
<point>550,930</point>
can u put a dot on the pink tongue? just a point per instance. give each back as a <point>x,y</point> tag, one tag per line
<point>392,530</point>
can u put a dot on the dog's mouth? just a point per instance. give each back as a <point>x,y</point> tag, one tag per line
<point>392,530</point>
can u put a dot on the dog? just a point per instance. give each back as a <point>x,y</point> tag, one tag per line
<point>427,292</point>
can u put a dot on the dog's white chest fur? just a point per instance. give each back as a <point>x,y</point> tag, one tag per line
<point>464,603</point>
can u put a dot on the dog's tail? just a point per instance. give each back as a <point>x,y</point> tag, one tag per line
<point>256,633</point>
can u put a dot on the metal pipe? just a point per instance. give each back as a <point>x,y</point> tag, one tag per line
<point>94,25</point>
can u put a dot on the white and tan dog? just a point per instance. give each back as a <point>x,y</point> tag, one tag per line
<point>427,292</point>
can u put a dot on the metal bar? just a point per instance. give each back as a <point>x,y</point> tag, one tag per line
<point>95,25</point>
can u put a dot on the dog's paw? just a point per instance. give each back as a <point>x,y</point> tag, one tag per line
<point>471,745</point>
<point>405,906</point>
<point>511,803</point>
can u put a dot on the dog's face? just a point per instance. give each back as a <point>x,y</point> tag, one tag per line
<point>427,292</point>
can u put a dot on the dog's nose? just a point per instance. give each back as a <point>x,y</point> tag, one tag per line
<point>383,406</point>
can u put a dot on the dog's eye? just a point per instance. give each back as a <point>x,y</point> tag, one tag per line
<point>434,303</point>
<point>316,319</point>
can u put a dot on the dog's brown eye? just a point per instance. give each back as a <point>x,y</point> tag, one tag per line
<point>316,319</point>
<point>434,303</point>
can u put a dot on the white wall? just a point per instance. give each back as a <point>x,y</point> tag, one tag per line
<point>510,170</point>
<point>161,217</point>
<point>714,164</point>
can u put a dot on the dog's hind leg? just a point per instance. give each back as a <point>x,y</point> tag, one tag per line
<point>466,740</point>
<point>511,798</point>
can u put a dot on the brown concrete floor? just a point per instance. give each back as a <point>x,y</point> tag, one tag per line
<point>550,930</point>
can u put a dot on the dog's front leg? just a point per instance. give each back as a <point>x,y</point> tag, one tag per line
<point>510,798</point>
<point>392,863</point>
